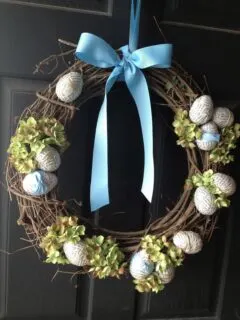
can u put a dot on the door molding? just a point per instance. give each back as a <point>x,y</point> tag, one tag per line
<point>107,11</point>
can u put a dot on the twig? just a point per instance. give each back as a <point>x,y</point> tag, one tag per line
<point>201,27</point>
<point>159,29</point>
<point>56,102</point>
<point>68,43</point>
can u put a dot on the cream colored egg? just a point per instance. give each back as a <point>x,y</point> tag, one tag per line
<point>167,275</point>
<point>201,110</point>
<point>206,145</point>
<point>225,183</point>
<point>204,201</point>
<point>190,242</point>
<point>209,127</point>
<point>69,87</point>
<point>76,253</point>
<point>48,159</point>
<point>223,117</point>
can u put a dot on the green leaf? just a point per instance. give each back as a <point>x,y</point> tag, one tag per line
<point>100,240</point>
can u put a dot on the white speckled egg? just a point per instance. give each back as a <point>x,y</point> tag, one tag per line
<point>140,265</point>
<point>225,183</point>
<point>210,137</point>
<point>190,242</point>
<point>48,159</point>
<point>38,183</point>
<point>167,275</point>
<point>201,110</point>
<point>204,201</point>
<point>223,117</point>
<point>69,87</point>
<point>76,253</point>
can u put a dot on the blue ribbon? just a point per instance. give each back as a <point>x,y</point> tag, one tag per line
<point>95,51</point>
<point>208,137</point>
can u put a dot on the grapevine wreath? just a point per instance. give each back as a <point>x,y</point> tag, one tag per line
<point>206,132</point>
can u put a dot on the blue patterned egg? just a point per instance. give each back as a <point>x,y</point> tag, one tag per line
<point>38,183</point>
<point>140,265</point>
<point>210,136</point>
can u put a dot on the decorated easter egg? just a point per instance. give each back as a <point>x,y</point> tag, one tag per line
<point>167,275</point>
<point>204,201</point>
<point>190,242</point>
<point>48,159</point>
<point>69,87</point>
<point>225,183</point>
<point>209,127</point>
<point>201,110</point>
<point>210,137</point>
<point>140,265</point>
<point>38,183</point>
<point>223,117</point>
<point>76,253</point>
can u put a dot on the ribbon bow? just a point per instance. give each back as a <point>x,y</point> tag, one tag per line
<point>95,51</point>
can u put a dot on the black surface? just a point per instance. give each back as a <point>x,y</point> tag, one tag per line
<point>207,286</point>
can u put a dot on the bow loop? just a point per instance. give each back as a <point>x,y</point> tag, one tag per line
<point>158,56</point>
<point>96,51</point>
<point>99,53</point>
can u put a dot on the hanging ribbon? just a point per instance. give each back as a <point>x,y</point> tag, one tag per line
<point>95,51</point>
<point>209,137</point>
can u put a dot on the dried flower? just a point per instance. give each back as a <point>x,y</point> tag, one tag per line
<point>150,284</point>
<point>31,137</point>
<point>205,179</point>
<point>228,142</point>
<point>164,254</point>
<point>105,257</point>
<point>64,230</point>
<point>186,130</point>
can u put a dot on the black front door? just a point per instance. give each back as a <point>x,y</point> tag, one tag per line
<point>206,42</point>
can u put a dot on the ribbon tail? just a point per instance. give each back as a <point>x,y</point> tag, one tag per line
<point>138,88</point>
<point>99,191</point>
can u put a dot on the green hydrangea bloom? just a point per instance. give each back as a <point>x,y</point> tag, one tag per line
<point>186,130</point>
<point>65,229</point>
<point>205,179</point>
<point>32,136</point>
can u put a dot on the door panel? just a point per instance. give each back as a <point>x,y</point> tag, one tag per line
<point>206,36</point>
<point>103,7</point>
<point>207,286</point>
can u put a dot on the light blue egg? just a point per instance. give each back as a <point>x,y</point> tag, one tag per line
<point>140,265</point>
<point>38,183</point>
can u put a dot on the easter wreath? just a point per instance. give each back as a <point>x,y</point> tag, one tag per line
<point>150,255</point>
